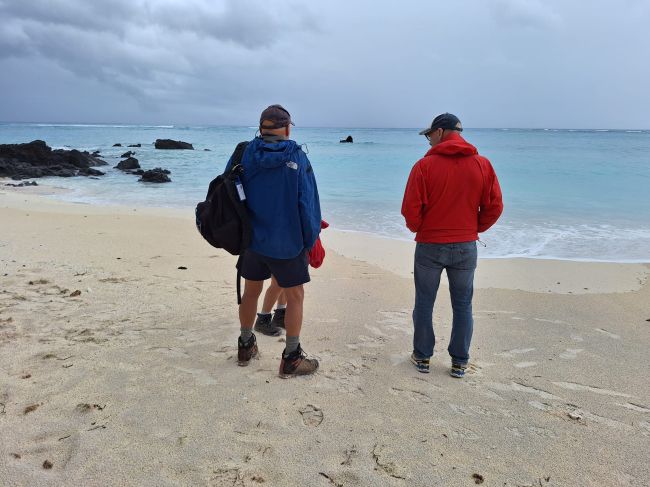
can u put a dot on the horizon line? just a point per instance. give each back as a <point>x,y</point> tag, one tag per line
<point>195,125</point>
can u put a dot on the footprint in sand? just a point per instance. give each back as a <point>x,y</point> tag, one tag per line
<point>514,351</point>
<point>571,353</point>
<point>412,395</point>
<point>311,415</point>
<point>523,365</point>
<point>574,386</point>
<point>171,351</point>
<point>608,333</point>
<point>227,477</point>
<point>569,412</point>
<point>635,407</point>
<point>464,433</point>
<point>532,430</point>
<point>382,456</point>
<point>346,375</point>
<point>368,342</point>
<point>57,447</point>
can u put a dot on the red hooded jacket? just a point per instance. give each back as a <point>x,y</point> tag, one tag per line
<point>452,193</point>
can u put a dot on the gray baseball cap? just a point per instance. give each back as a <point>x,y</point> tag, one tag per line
<point>445,121</point>
<point>276,114</point>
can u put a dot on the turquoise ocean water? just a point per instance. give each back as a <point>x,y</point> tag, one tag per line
<point>569,194</point>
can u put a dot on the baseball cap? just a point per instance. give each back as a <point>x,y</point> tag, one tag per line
<point>445,121</point>
<point>276,114</point>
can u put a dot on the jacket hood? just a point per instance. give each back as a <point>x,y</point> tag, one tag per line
<point>453,145</point>
<point>272,154</point>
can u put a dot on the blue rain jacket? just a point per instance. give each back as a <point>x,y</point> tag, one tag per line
<point>282,198</point>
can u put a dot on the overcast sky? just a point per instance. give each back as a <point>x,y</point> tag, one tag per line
<point>495,63</point>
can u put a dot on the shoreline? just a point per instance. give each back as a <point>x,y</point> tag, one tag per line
<point>563,276</point>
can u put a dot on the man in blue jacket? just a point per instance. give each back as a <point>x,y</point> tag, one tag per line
<point>282,200</point>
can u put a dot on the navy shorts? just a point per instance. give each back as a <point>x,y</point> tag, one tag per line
<point>288,272</point>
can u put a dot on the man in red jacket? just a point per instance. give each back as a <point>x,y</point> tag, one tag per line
<point>451,196</point>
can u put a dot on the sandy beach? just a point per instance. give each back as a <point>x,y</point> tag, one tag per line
<point>118,332</point>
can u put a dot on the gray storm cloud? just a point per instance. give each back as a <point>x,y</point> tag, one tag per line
<point>531,63</point>
<point>145,49</point>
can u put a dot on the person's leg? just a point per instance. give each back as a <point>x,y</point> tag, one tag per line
<point>461,290</point>
<point>280,311</point>
<point>427,271</point>
<point>264,322</point>
<point>247,344</point>
<point>291,275</point>
<point>294,361</point>
<point>248,306</point>
<point>273,294</point>
<point>293,316</point>
<point>255,272</point>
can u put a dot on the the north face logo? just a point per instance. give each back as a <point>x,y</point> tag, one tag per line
<point>292,165</point>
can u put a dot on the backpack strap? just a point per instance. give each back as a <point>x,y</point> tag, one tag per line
<point>236,168</point>
<point>237,156</point>
<point>238,265</point>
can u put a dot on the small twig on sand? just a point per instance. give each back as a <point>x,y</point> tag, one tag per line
<point>332,481</point>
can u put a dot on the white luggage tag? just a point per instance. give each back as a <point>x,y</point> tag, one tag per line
<point>240,189</point>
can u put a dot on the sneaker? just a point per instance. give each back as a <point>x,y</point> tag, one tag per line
<point>457,370</point>
<point>264,325</point>
<point>278,318</point>
<point>297,363</point>
<point>421,364</point>
<point>246,351</point>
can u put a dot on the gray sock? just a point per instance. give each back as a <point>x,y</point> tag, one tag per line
<point>246,334</point>
<point>292,344</point>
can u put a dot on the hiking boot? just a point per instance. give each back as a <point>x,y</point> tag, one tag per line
<point>246,351</point>
<point>457,370</point>
<point>421,364</point>
<point>264,325</point>
<point>278,318</point>
<point>296,363</point>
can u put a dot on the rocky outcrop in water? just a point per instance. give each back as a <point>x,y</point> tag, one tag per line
<point>128,164</point>
<point>156,175</point>
<point>135,145</point>
<point>172,144</point>
<point>36,159</point>
<point>127,154</point>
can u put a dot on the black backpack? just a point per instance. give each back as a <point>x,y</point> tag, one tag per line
<point>222,219</point>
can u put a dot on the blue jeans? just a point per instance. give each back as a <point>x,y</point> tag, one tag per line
<point>459,259</point>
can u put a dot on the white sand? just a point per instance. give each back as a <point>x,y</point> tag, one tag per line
<point>134,381</point>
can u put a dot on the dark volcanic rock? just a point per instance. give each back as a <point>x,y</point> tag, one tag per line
<point>20,185</point>
<point>117,145</point>
<point>128,154</point>
<point>95,154</point>
<point>135,145</point>
<point>172,144</point>
<point>156,175</point>
<point>208,150</point>
<point>36,159</point>
<point>128,164</point>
